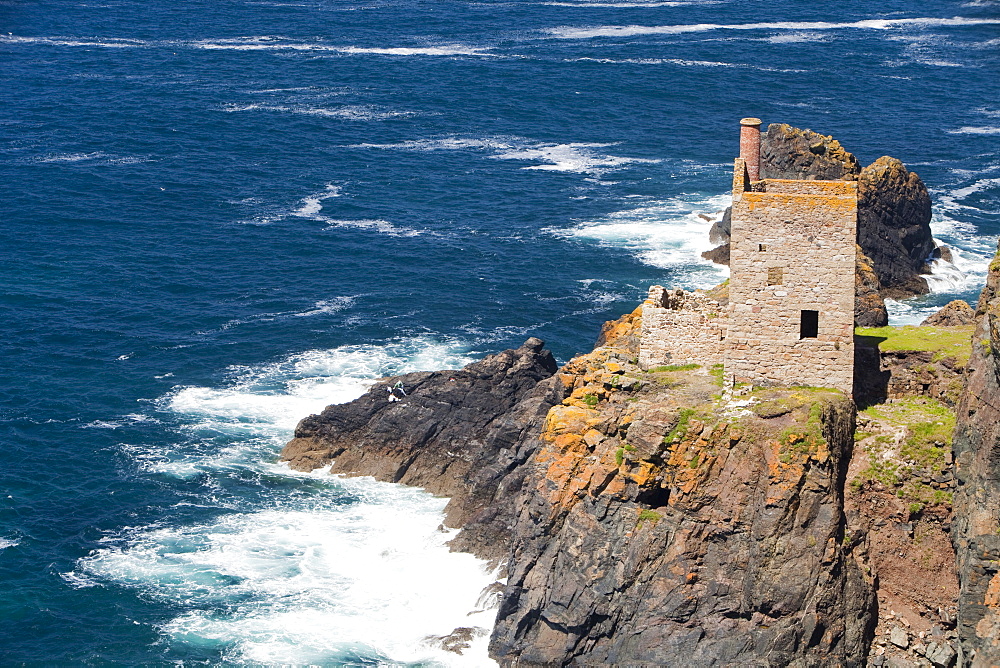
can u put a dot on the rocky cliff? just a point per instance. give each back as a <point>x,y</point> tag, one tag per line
<point>976,529</point>
<point>644,516</point>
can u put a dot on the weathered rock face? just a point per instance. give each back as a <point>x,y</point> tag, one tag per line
<point>894,215</point>
<point>976,529</point>
<point>791,153</point>
<point>956,313</point>
<point>658,527</point>
<point>455,433</point>
<point>869,307</point>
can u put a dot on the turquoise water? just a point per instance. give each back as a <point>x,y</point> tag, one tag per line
<point>221,216</point>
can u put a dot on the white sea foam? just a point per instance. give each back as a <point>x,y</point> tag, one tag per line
<point>8,542</point>
<point>268,400</point>
<point>308,585</point>
<point>573,157</point>
<point>669,234</point>
<point>337,568</point>
<point>322,307</point>
<point>104,42</point>
<point>573,32</point>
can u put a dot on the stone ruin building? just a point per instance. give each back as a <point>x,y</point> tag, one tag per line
<point>790,315</point>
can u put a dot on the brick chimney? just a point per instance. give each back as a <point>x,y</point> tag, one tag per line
<point>750,146</point>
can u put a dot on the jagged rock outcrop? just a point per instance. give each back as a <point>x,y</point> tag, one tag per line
<point>459,433</point>
<point>662,525</point>
<point>894,215</point>
<point>976,529</point>
<point>791,153</point>
<point>955,313</point>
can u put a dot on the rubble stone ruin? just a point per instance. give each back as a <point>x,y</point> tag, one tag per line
<point>790,316</point>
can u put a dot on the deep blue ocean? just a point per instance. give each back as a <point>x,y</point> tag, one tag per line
<point>217,217</point>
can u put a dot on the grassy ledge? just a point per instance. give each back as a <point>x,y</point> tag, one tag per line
<point>944,342</point>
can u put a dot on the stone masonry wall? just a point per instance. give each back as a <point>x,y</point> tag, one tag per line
<point>680,327</point>
<point>793,249</point>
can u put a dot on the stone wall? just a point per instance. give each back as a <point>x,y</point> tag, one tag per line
<point>793,251</point>
<point>680,327</point>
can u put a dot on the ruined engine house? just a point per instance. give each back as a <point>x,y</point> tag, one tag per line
<point>790,316</point>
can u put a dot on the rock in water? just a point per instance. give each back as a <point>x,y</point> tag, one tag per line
<point>953,314</point>
<point>894,215</point>
<point>455,433</point>
<point>975,533</point>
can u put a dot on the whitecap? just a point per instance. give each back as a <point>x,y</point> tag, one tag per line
<point>670,234</point>
<point>573,32</point>
<point>976,130</point>
<point>8,542</point>
<point>346,112</point>
<point>578,157</point>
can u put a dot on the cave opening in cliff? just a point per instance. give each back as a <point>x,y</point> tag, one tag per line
<point>654,497</point>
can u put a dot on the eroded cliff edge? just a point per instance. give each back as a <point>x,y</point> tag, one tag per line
<point>644,516</point>
<point>976,529</point>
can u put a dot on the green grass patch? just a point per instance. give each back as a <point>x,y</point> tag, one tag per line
<point>590,399</point>
<point>944,342</point>
<point>680,429</point>
<point>619,456</point>
<point>647,516</point>
<point>718,372</point>
<point>675,367</point>
<point>921,454</point>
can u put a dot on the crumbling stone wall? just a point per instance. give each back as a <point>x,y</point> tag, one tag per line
<point>792,259</point>
<point>680,327</point>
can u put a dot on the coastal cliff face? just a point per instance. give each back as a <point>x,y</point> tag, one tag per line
<point>644,516</point>
<point>976,529</point>
<point>661,522</point>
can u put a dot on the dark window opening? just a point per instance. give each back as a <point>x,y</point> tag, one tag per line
<point>762,247</point>
<point>809,326</point>
<point>774,275</point>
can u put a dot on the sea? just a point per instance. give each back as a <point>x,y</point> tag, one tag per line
<point>220,216</point>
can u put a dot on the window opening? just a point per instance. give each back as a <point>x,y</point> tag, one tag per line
<point>774,275</point>
<point>809,325</point>
<point>762,247</point>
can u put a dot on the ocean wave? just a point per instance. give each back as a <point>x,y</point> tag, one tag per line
<point>322,307</point>
<point>346,112</point>
<point>311,581</point>
<point>310,568</point>
<point>268,400</point>
<point>578,157</point>
<point>668,234</point>
<point>979,130</point>
<point>573,32</point>
<point>103,42</point>
<point>681,62</point>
